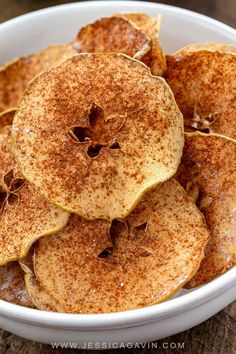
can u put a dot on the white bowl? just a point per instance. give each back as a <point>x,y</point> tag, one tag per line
<point>28,34</point>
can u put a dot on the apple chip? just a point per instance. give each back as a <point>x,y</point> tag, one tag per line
<point>15,75</point>
<point>101,130</point>
<point>24,214</point>
<point>97,266</point>
<point>12,285</point>
<point>113,34</point>
<point>209,46</point>
<point>6,117</point>
<point>208,172</point>
<point>204,85</point>
<point>154,58</point>
<point>149,25</point>
<point>39,297</point>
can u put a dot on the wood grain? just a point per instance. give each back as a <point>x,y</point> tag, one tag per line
<point>218,334</point>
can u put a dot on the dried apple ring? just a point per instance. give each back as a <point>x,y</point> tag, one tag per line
<point>96,267</point>
<point>154,58</point>
<point>209,46</point>
<point>210,162</point>
<point>15,75</point>
<point>204,86</point>
<point>113,35</point>
<point>101,130</point>
<point>24,214</point>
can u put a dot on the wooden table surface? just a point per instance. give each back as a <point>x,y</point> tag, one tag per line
<point>218,334</point>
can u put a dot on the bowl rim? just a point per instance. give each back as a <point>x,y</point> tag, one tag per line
<point>151,313</point>
<point>123,319</point>
<point>173,11</point>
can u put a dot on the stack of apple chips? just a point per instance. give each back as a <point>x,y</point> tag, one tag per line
<point>92,158</point>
